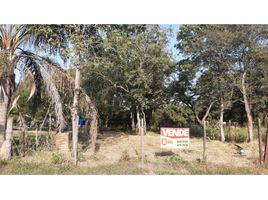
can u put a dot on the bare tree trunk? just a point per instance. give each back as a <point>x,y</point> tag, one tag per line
<point>93,131</point>
<point>75,117</point>
<point>247,109</point>
<point>132,121</point>
<point>138,125</point>
<point>3,120</point>
<point>3,117</point>
<point>144,121</point>
<point>106,122</point>
<point>221,122</point>
<point>9,137</point>
<point>201,121</point>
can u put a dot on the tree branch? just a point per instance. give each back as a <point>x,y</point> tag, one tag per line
<point>208,110</point>
<point>112,83</point>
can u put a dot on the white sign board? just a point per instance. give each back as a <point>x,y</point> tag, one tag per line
<point>175,138</point>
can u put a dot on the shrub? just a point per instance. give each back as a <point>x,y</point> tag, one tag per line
<point>57,158</point>
<point>196,130</point>
<point>125,156</point>
<point>172,116</point>
<point>240,137</point>
<point>176,160</point>
<point>3,163</point>
<point>213,129</point>
<point>238,134</point>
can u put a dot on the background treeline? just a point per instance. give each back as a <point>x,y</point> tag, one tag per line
<point>219,75</point>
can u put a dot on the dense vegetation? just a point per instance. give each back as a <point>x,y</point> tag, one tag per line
<point>129,73</point>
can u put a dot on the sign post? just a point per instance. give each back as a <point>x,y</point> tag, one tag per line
<point>174,138</point>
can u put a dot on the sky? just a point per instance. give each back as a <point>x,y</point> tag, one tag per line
<point>175,30</point>
<point>172,40</point>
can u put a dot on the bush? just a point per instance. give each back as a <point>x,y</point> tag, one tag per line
<point>196,130</point>
<point>213,129</point>
<point>57,158</point>
<point>125,156</point>
<point>171,116</point>
<point>238,134</point>
<point>3,163</point>
<point>176,160</point>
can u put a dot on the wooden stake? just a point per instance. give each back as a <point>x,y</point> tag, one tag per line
<point>23,132</point>
<point>260,140</point>
<point>266,149</point>
<point>49,130</point>
<point>204,141</point>
<point>229,131</point>
<point>75,143</point>
<point>36,138</point>
<point>142,143</point>
<point>49,124</point>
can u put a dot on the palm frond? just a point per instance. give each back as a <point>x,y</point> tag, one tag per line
<point>33,90</point>
<point>14,103</point>
<point>66,84</point>
<point>57,82</point>
<point>38,71</point>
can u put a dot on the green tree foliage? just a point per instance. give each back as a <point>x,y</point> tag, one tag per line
<point>134,64</point>
<point>172,116</point>
<point>221,59</point>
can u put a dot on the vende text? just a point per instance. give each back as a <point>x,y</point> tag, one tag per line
<point>175,132</point>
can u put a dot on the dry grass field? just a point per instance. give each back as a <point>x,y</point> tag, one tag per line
<point>120,153</point>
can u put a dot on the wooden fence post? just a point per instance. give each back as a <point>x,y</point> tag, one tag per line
<point>266,149</point>
<point>36,138</point>
<point>75,141</point>
<point>229,131</point>
<point>260,140</point>
<point>204,141</point>
<point>142,143</point>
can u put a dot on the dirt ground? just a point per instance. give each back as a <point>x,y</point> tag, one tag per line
<point>120,153</point>
<point>113,147</point>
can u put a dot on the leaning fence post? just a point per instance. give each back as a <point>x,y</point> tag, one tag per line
<point>266,149</point>
<point>36,138</point>
<point>204,141</point>
<point>260,140</point>
<point>229,131</point>
<point>142,143</point>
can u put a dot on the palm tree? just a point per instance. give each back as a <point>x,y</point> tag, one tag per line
<point>16,44</point>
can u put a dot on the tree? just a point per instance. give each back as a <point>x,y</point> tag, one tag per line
<point>207,46</point>
<point>250,52</point>
<point>12,39</point>
<point>230,53</point>
<point>134,62</point>
<point>16,45</point>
